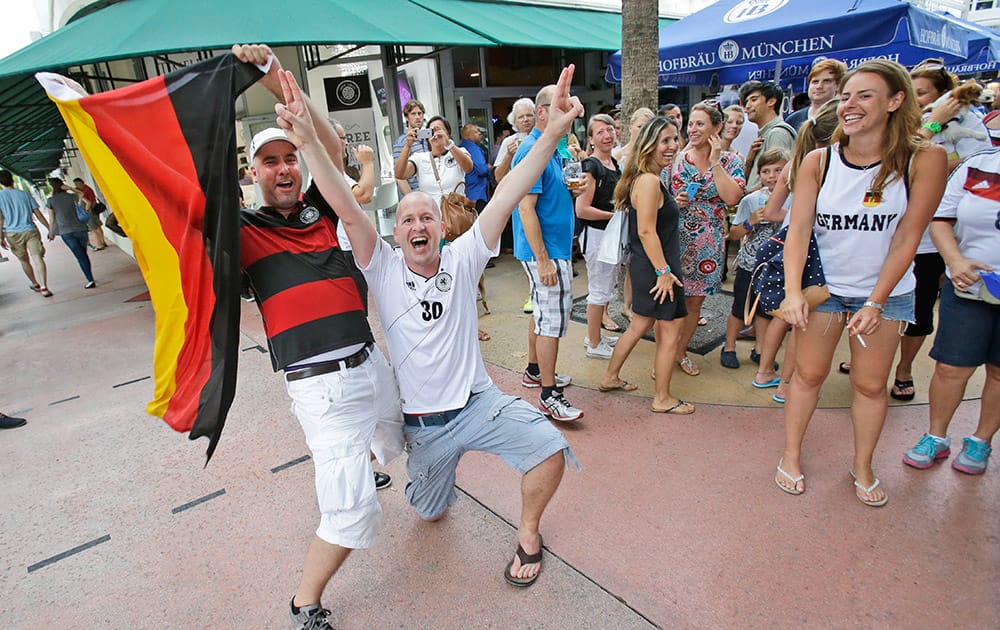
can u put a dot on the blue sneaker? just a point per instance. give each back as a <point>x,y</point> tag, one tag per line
<point>927,451</point>
<point>974,457</point>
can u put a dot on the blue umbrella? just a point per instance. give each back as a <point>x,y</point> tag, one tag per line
<point>739,40</point>
<point>984,48</point>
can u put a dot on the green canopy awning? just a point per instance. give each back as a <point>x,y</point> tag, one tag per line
<point>512,24</point>
<point>139,28</point>
<point>31,129</point>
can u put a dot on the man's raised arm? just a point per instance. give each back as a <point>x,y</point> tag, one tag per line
<point>295,118</point>
<point>563,110</point>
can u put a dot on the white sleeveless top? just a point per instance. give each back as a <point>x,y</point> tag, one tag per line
<point>854,233</point>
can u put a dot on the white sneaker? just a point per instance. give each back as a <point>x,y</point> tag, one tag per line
<point>601,351</point>
<point>608,339</point>
<point>558,408</point>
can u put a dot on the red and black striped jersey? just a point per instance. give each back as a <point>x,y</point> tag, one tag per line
<point>302,281</point>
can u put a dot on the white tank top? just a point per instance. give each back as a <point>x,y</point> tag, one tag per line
<point>854,228</point>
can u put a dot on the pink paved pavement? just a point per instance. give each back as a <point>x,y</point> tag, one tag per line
<point>673,522</point>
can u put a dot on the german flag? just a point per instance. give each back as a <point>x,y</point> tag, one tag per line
<point>164,154</point>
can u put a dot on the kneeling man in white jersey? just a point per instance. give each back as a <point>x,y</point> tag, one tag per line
<point>426,299</point>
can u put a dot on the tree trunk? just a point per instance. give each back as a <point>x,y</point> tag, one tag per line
<point>640,56</point>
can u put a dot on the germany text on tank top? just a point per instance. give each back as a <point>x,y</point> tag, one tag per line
<point>854,227</point>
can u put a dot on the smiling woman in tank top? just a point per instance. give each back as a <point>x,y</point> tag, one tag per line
<point>868,199</point>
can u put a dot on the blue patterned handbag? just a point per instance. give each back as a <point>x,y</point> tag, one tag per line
<point>767,283</point>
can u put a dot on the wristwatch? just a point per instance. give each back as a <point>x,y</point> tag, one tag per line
<point>875,305</point>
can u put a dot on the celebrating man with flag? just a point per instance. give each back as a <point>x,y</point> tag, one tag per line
<point>342,388</point>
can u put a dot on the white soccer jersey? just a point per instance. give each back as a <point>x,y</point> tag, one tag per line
<point>431,325</point>
<point>854,229</point>
<point>972,198</point>
<point>961,148</point>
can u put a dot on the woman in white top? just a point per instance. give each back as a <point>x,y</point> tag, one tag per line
<point>439,170</point>
<point>868,205</point>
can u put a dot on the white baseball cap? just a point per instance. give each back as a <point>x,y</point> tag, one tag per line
<point>263,137</point>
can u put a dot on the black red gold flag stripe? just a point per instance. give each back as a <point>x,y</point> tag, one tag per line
<point>163,152</point>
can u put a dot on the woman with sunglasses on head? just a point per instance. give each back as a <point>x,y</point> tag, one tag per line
<point>867,198</point>
<point>657,290</point>
<point>931,81</point>
<point>706,180</point>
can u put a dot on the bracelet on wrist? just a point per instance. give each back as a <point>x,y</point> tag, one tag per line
<point>663,270</point>
<point>933,127</point>
<point>875,305</point>
<point>747,226</point>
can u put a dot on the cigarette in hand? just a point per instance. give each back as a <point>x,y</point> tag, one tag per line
<point>861,340</point>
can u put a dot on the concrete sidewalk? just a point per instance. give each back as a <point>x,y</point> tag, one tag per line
<point>111,521</point>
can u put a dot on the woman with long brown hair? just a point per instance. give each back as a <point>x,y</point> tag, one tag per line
<point>867,199</point>
<point>654,243</point>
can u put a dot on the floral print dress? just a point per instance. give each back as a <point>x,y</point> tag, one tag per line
<point>702,223</point>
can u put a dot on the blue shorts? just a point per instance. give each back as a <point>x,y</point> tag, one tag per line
<point>491,421</point>
<point>897,308</point>
<point>968,332</point>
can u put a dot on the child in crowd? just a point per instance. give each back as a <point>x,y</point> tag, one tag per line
<point>750,226</point>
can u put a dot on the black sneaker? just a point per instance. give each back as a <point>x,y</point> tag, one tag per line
<point>312,617</point>
<point>11,422</point>
<point>382,480</point>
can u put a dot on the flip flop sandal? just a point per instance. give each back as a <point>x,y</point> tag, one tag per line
<point>623,386</point>
<point>702,321</point>
<point>844,367</point>
<point>772,383</point>
<point>484,336</point>
<point>46,293</point>
<point>673,410</point>
<point>611,327</point>
<point>868,491</point>
<point>525,558</point>
<point>898,384</point>
<point>795,481</point>
<point>778,399</point>
<point>688,367</point>
<point>37,288</point>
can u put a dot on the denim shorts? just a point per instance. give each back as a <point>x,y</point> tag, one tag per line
<point>897,308</point>
<point>491,421</point>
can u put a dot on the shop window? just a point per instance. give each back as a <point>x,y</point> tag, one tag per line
<point>516,66</point>
<point>465,63</point>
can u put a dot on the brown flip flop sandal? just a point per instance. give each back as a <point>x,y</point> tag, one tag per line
<point>525,558</point>
<point>673,410</point>
<point>624,386</point>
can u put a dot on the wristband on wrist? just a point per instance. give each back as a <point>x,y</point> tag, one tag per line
<point>875,305</point>
<point>451,145</point>
<point>663,271</point>
<point>933,127</point>
<point>747,226</point>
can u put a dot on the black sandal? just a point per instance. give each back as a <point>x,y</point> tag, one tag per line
<point>898,384</point>
<point>525,558</point>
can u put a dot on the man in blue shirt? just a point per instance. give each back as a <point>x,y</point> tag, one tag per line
<point>543,242</point>
<point>477,180</point>
<point>19,234</point>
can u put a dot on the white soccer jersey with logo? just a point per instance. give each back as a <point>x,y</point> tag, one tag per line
<point>972,198</point>
<point>853,233</point>
<point>431,324</point>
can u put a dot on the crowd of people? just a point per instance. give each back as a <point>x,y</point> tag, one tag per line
<point>860,170</point>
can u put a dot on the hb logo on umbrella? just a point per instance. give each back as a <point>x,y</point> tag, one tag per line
<point>751,10</point>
